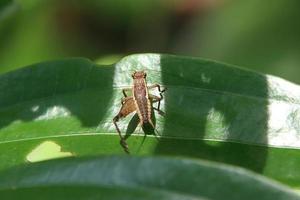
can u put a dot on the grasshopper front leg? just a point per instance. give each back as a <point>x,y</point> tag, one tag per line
<point>128,106</point>
<point>123,100</point>
<point>125,90</point>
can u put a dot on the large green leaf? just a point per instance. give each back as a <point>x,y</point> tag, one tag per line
<point>137,178</point>
<point>213,111</point>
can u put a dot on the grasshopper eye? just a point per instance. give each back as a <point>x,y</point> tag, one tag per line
<point>145,75</point>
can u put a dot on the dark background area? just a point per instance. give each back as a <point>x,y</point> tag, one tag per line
<point>260,35</point>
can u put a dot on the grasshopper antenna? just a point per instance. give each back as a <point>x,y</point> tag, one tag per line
<point>144,138</point>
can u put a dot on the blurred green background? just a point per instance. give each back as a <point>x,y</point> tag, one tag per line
<point>260,35</point>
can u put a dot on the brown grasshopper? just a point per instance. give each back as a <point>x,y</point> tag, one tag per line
<point>140,101</point>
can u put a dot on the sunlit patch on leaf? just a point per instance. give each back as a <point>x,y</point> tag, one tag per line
<point>46,151</point>
<point>52,112</point>
<point>216,123</point>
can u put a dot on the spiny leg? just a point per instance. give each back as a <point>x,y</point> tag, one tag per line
<point>128,107</point>
<point>122,140</point>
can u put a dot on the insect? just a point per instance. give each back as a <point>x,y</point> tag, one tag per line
<point>140,101</point>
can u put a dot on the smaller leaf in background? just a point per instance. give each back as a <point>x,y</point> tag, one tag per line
<point>132,177</point>
<point>108,59</point>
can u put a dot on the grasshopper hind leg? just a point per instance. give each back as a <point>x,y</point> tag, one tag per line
<point>123,142</point>
<point>128,107</point>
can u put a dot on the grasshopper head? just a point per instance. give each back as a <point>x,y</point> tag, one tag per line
<point>139,74</point>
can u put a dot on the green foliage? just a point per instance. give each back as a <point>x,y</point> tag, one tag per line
<point>137,178</point>
<point>212,111</point>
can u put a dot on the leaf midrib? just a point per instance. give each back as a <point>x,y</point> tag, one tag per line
<point>92,133</point>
